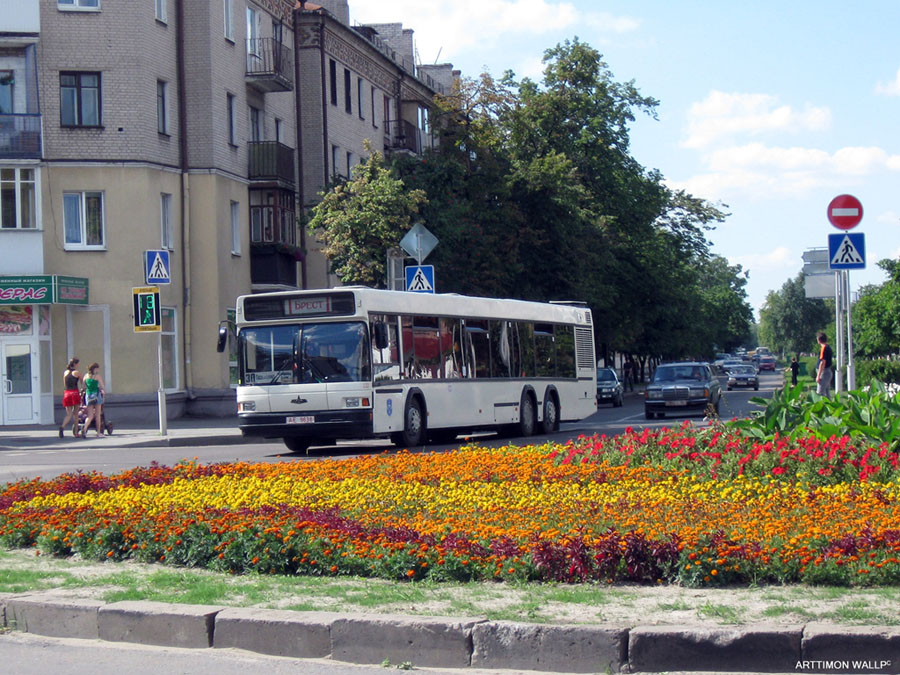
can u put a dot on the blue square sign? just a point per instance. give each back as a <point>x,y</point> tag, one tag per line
<point>847,251</point>
<point>156,266</point>
<point>420,278</point>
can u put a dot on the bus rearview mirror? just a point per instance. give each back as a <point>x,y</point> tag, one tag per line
<point>381,335</point>
<point>223,339</point>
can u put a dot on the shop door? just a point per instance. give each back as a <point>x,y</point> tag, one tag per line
<point>17,395</point>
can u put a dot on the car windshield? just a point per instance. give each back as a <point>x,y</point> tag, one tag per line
<point>605,375</point>
<point>744,370</point>
<point>673,373</point>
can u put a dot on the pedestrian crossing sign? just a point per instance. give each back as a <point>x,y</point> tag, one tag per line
<point>156,266</point>
<point>847,251</point>
<point>420,278</point>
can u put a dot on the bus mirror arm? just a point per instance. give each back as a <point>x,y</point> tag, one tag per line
<point>223,338</point>
<point>381,335</point>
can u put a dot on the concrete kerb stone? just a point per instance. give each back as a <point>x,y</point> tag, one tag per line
<point>158,623</point>
<point>563,648</point>
<point>850,649</point>
<point>54,616</point>
<point>438,642</point>
<point>275,632</point>
<point>668,648</point>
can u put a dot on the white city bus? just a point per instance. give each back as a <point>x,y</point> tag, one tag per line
<point>350,363</point>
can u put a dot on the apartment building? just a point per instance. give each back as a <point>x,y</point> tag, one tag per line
<point>196,128</point>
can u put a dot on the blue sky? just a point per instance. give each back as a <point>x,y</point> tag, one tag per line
<point>770,107</point>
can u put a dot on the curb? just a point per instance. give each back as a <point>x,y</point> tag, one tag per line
<point>460,642</point>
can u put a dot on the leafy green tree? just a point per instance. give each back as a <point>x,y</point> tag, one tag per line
<point>360,219</point>
<point>876,315</point>
<point>788,320</point>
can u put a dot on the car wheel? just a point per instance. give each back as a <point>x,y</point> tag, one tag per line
<point>527,416</point>
<point>550,422</point>
<point>297,445</point>
<point>619,401</point>
<point>756,387</point>
<point>413,424</point>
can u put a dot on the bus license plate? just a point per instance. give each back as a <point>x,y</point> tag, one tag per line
<point>301,419</point>
<point>676,403</point>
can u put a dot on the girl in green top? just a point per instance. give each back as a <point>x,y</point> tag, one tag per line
<point>93,398</point>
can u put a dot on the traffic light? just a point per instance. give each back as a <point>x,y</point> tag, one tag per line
<point>146,309</point>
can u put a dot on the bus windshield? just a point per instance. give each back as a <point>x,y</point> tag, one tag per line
<point>305,353</point>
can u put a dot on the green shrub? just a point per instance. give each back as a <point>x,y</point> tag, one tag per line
<point>877,369</point>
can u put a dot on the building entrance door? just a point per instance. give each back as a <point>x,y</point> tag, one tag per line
<point>18,399</point>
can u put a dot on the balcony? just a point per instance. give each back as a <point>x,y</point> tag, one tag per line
<point>403,136</point>
<point>270,65</point>
<point>20,136</point>
<point>271,162</point>
<point>271,266</point>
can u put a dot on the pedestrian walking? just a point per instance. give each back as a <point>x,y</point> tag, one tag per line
<point>71,395</point>
<point>94,389</point>
<point>824,370</point>
<point>795,370</point>
<point>628,374</point>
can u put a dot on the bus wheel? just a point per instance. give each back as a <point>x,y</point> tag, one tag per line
<point>550,422</point>
<point>297,445</point>
<point>413,433</point>
<point>527,416</point>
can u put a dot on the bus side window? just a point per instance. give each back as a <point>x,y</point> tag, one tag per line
<point>500,350</point>
<point>385,359</point>
<point>565,351</point>
<point>451,351</point>
<point>478,350</point>
<point>544,350</point>
<point>427,348</point>
<point>526,348</point>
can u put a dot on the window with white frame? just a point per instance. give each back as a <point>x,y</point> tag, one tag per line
<point>165,221</point>
<point>253,23</point>
<point>17,199</point>
<point>78,4</point>
<point>83,220</point>
<point>169,336</point>
<point>162,107</point>
<point>228,6</point>
<point>79,99</point>
<point>235,228</point>
<point>161,11</point>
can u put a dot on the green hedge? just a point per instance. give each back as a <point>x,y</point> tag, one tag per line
<point>877,369</point>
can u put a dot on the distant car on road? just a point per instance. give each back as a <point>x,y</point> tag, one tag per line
<point>720,359</point>
<point>729,364</point>
<point>743,376</point>
<point>609,388</point>
<point>767,362</point>
<point>682,387</point>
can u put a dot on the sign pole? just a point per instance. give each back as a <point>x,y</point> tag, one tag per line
<point>851,366</point>
<point>838,335</point>
<point>161,393</point>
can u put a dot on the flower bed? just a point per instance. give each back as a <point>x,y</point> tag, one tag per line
<point>690,506</point>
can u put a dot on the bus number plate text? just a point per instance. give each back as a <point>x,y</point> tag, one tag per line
<point>301,419</point>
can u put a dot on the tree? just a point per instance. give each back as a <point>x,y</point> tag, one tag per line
<point>788,320</point>
<point>359,220</point>
<point>876,315</point>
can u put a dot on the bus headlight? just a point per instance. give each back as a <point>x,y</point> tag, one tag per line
<point>356,402</point>
<point>247,406</point>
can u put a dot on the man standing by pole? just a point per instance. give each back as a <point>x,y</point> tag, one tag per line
<point>824,369</point>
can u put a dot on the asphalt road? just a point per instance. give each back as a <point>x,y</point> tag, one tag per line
<point>52,461</point>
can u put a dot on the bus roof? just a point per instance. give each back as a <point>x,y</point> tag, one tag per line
<point>375,300</point>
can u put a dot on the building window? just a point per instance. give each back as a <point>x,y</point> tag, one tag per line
<point>17,199</point>
<point>278,130</point>
<point>255,124</point>
<point>359,98</point>
<point>168,335</point>
<point>161,11</point>
<point>79,95</point>
<point>235,228</point>
<point>83,219</point>
<point>348,96</point>
<point>78,4</point>
<point>229,100</point>
<point>334,161</point>
<point>349,163</point>
<point>162,107</point>
<point>228,6</point>
<point>372,97</point>
<point>387,109</point>
<point>252,31</point>
<point>332,78</point>
<point>165,221</point>
<point>7,81</point>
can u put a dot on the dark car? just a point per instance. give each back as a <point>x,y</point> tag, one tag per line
<point>687,386</point>
<point>767,363</point>
<point>609,388</point>
<point>743,376</point>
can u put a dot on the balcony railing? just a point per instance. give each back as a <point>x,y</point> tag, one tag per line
<point>401,135</point>
<point>269,266</point>
<point>271,161</point>
<point>270,65</point>
<point>20,136</point>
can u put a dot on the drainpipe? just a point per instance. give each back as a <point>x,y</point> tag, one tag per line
<point>297,117</point>
<point>324,100</point>
<point>185,200</point>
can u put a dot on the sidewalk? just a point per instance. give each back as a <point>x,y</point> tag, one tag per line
<point>181,432</point>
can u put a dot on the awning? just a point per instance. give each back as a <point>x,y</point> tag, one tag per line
<point>46,289</point>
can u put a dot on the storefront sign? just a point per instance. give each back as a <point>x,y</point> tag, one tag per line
<point>43,289</point>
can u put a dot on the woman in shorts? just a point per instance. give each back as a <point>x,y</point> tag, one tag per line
<point>93,398</point>
<point>71,396</point>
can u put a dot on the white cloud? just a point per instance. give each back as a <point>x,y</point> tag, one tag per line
<point>451,27</point>
<point>776,261</point>
<point>721,116</point>
<point>889,218</point>
<point>608,23</point>
<point>892,88</point>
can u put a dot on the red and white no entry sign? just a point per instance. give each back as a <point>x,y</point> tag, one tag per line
<point>845,212</point>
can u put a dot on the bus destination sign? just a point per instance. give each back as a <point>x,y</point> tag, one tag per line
<point>303,306</point>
